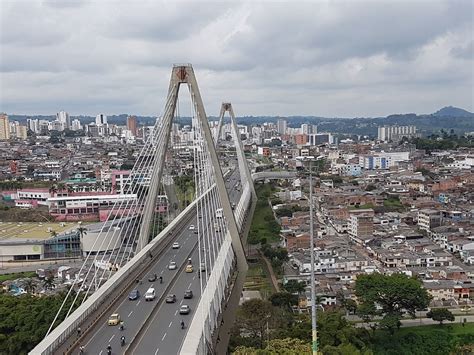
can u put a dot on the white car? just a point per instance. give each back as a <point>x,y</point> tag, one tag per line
<point>172,266</point>
<point>175,245</point>
<point>184,309</point>
<point>191,227</point>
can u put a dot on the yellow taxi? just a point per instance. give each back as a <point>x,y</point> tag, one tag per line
<point>189,268</point>
<point>114,319</point>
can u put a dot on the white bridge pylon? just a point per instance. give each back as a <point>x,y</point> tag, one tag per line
<point>245,175</point>
<point>184,74</point>
<point>223,250</point>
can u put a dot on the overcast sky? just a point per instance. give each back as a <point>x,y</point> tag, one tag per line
<point>324,58</point>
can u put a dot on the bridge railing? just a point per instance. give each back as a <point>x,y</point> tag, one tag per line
<point>104,294</point>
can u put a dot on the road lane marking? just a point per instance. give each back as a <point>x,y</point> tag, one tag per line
<point>138,303</point>
<point>111,338</point>
<point>194,277</point>
<point>180,303</point>
<point>130,313</point>
<point>101,352</point>
<point>190,284</point>
<point>157,349</point>
<point>175,313</point>
<point>164,336</point>
<point>162,271</point>
<point>169,326</point>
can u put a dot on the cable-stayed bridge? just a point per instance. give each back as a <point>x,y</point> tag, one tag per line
<point>140,243</point>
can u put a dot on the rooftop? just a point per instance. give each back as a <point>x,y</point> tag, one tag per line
<point>10,231</point>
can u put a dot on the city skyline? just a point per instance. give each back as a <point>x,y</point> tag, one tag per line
<point>337,60</point>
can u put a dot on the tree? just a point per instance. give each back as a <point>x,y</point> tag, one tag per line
<point>53,189</point>
<point>82,231</point>
<point>391,322</point>
<point>440,315</point>
<point>287,346</point>
<point>283,300</point>
<point>253,317</point>
<point>29,285</point>
<point>295,286</point>
<point>48,283</point>
<point>393,293</point>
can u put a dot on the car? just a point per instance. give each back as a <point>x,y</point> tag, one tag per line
<point>188,294</point>
<point>170,298</point>
<point>114,319</point>
<point>184,309</point>
<point>202,267</point>
<point>152,278</point>
<point>134,295</point>
<point>172,266</point>
<point>150,294</point>
<point>191,227</point>
<point>175,245</point>
<point>189,268</point>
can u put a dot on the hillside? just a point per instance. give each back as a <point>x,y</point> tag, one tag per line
<point>450,111</point>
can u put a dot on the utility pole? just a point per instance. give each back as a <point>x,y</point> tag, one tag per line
<point>314,346</point>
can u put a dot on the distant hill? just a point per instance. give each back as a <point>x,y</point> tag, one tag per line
<point>451,111</point>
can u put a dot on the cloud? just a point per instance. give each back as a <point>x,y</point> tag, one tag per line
<point>331,58</point>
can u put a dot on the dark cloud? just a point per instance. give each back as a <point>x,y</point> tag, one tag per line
<point>333,58</point>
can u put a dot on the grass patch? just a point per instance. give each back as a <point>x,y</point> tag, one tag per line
<point>429,340</point>
<point>17,275</point>
<point>258,279</point>
<point>264,226</point>
<point>393,204</point>
<point>451,328</point>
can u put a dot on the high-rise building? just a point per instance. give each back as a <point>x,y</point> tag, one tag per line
<point>132,125</point>
<point>4,127</point>
<point>281,126</point>
<point>361,226</point>
<point>33,125</point>
<point>76,125</point>
<point>64,119</point>
<point>21,132</point>
<point>100,119</point>
<point>396,133</point>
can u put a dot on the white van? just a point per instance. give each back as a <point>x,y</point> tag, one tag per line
<point>150,294</point>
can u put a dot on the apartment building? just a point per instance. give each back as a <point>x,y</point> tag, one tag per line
<point>429,219</point>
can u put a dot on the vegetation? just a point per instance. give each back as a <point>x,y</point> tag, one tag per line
<point>389,296</point>
<point>426,340</point>
<point>264,226</point>
<point>443,141</point>
<point>440,315</point>
<point>294,286</point>
<point>184,189</point>
<point>288,211</point>
<point>17,275</point>
<point>393,204</point>
<point>258,279</point>
<point>16,214</point>
<point>277,256</point>
<point>24,320</point>
<point>287,346</point>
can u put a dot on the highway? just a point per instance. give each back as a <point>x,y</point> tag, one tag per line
<point>162,333</point>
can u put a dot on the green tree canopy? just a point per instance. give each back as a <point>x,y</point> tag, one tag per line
<point>440,315</point>
<point>393,293</point>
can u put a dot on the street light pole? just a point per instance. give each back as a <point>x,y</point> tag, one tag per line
<point>313,286</point>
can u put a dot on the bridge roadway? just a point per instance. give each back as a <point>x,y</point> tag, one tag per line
<point>162,333</point>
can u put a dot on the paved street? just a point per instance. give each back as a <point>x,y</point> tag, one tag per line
<point>163,333</point>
